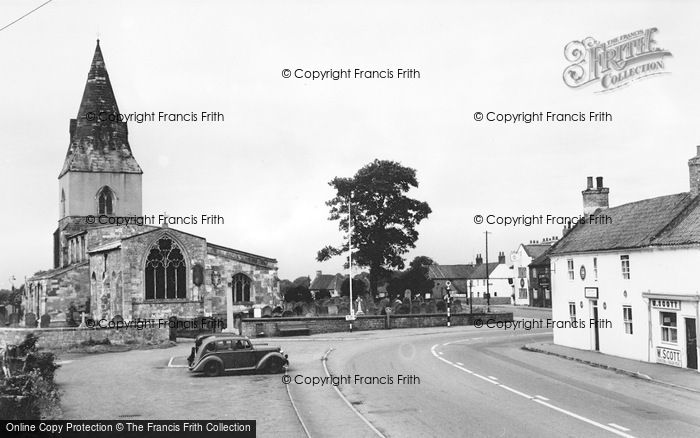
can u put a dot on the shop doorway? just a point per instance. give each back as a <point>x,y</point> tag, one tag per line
<point>691,343</point>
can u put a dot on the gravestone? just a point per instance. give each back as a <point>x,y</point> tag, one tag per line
<point>332,310</point>
<point>118,318</point>
<point>13,319</point>
<point>266,312</point>
<point>29,320</point>
<point>3,319</point>
<point>45,320</point>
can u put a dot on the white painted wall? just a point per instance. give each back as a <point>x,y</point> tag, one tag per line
<point>672,271</point>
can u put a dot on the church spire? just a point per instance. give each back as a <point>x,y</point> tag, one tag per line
<point>98,94</point>
<point>98,138</point>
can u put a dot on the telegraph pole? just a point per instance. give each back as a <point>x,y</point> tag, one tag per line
<point>471,310</point>
<point>488,299</point>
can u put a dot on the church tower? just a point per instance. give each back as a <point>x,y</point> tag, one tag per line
<point>100,175</point>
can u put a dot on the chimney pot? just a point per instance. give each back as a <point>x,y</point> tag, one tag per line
<point>698,150</point>
<point>589,184</point>
<point>318,273</point>
<point>599,182</point>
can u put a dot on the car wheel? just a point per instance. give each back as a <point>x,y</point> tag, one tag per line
<point>212,369</point>
<point>274,366</point>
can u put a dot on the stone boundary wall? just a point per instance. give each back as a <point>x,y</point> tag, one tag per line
<point>65,338</point>
<point>265,327</point>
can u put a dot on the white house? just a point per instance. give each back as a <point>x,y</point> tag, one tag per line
<point>521,258</point>
<point>473,278</point>
<point>626,282</point>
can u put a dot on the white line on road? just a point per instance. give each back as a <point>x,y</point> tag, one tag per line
<point>484,378</point>
<point>460,364</point>
<point>584,419</point>
<point>170,364</point>
<point>542,398</point>
<point>538,400</point>
<point>494,378</point>
<point>515,391</point>
<point>624,429</point>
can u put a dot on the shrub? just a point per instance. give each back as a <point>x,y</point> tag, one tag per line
<point>29,392</point>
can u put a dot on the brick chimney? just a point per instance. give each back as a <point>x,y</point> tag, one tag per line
<point>479,260</point>
<point>694,168</point>
<point>501,258</point>
<point>595,197</point>
<point>318,273</point>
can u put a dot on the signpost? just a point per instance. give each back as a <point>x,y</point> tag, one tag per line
<point>448,300</point>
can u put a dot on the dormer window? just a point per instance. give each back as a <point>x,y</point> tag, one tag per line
<point>105,201</point>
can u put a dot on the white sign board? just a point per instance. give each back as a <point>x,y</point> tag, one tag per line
<point>590,292</point>
<point>668,356</point>
<point>666,304</point>
<point>257,313</point>
<point>349,317</point>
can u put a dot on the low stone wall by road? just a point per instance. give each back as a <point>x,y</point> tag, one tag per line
<point>257,327</point>
<point>66,338</point>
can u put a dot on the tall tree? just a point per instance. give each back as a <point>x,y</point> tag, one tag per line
<point>384,219</point>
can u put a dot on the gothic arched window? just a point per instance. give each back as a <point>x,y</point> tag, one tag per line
<point>165,271</point>
<point>240,286</point>
<point>105,201</point>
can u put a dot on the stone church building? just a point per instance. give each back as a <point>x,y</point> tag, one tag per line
<point>131,271</point>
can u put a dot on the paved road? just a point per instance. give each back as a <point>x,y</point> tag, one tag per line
<point>480,383</point>
<point>462,381</point>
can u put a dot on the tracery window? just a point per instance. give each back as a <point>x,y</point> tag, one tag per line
<point>165,271</point>
<point>240,286</point>
<point>105,201</point>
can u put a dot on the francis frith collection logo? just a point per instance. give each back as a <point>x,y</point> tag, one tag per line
<point>616,62</point>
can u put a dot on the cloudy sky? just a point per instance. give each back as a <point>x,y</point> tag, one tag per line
<point>265,169</point>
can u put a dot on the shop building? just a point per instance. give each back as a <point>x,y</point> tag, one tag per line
<point>628,285</point>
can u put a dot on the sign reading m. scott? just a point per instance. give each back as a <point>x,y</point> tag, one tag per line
<point>616,62</point>
<point>668,356</point>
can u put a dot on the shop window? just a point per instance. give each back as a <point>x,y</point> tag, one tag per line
<point>572,311</point>
<point>627,318</point>
<point>625,262</point>
<point>570,267</point>
<point>669,327</point>
<point>522,293</point>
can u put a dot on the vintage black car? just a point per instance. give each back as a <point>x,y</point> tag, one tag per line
<point>216,353</point>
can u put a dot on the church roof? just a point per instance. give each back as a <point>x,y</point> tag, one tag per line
<point>98,139</point>
<point>665,220</point>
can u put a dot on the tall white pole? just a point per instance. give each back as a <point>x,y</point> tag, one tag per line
<point>352,306</point>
